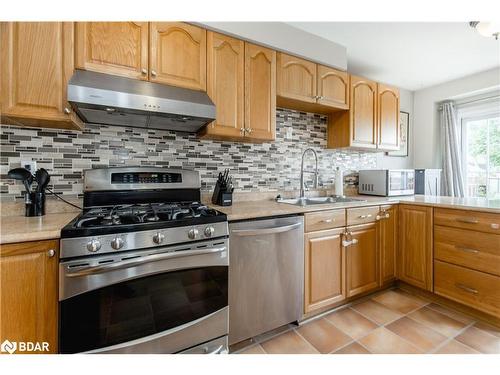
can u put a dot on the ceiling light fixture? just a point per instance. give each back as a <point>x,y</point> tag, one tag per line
<point>486,28</point>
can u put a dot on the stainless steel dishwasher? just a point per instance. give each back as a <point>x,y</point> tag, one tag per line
<point>266,275</point>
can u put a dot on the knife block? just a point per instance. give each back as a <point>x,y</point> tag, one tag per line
<point>221,197</point>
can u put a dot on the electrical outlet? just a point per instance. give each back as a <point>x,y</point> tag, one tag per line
<point>289,133</point>
<point>30,165</point>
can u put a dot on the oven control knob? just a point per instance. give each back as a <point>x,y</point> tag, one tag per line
<point>158,238</point>
<point>117,243</point>
<point>209,231</point>
<point>193,233</point>
<point>93,246</point>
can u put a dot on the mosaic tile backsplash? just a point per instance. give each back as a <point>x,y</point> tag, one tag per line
<point>255,167</point>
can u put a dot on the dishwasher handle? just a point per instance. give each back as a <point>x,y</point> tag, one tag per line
<point>273,230</point>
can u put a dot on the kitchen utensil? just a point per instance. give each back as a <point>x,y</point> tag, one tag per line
<point>22,174</point>
<point>43,178</point>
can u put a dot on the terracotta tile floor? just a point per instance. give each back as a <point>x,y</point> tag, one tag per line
<point>388,323</point>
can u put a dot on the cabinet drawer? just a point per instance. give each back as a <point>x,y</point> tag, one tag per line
<point>480,221</point>
<point>477,289</point>
<point>324,220</point>
<point>476,250</point>
<point>362,215</point>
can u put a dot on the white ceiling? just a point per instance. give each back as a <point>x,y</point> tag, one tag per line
<point>410,55</point>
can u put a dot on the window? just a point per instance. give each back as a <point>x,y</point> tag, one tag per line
<point>481,155</point>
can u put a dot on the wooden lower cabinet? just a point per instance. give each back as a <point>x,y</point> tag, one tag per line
<point>478,290</point>
<point>388,241</point>
<point>415,250</point>
<point>324,269</point>
<point>29,292</point>
<point>362,272</point>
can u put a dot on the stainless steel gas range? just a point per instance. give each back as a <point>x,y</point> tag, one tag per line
<point>144,268</point>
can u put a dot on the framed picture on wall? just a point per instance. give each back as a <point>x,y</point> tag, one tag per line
<point>404,134</point>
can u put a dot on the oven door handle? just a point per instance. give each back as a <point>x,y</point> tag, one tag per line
<point>142,260</point>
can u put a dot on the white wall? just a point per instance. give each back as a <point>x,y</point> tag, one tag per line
<point>287,38</point>
<point>426,134</point>
<point>393,162</point>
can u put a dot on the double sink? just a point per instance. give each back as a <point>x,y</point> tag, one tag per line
<point>304,201</point>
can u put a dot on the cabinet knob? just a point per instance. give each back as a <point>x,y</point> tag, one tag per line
<point>242,130</point>
<point>51,253</point>
<point>144,71</point>
<point>249,130</point>
<point>67,110</point>
<point>153,73</point>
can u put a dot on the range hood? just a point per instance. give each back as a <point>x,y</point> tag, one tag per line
<point>111,100</point>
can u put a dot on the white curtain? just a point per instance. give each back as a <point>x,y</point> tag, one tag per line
<point>453,182</point>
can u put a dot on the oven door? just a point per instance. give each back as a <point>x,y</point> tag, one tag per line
<point>161,301</point>
<point>400,182</point>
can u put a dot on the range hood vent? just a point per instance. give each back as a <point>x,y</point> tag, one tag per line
<point>111,100</point>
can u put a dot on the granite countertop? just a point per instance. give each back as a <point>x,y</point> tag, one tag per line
<point>21,228</point>
<point>266,208</point>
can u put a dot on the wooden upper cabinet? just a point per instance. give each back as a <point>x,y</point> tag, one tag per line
<point>333,87</point>
<point>119,48</point>
<point>37,61</point>
<point>388,118</point>
<point>296,78</point>
<point>29,294</point>
<point>178,55</point>
<point>415,245</point>
<point>363,113</point>
<point>388,236</point>
<point>260,93</point>
<point>362,273</point>
<point>225,85</point>
<point>324,269</point>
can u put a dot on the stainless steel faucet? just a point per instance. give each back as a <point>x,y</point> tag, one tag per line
<point>315,172</point>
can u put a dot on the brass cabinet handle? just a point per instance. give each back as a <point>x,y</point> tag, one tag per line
<point>67,110</point>
<point>466,288</point>
<point>348,241</point>
<point>144,71</point>
<point>243,130</point>
<point>249,130</point>
<point>51,253</point>
<point>327,221</point>
<point>467,220</point>
<point>495,226</point>
<point>467,250</point>
<point>153,73</point>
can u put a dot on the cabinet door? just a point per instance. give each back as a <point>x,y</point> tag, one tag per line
<point>178,55</point>
<point>324,269</point>
<point>36,64</point>
<point>119,48</point>
<point>363,113</point>
<point>29,292</point>
<point>225,84</point>
<point>333,87</point>
<point>388,118</point>
<point>260,92</point>
<point>388,234</point>
<point>362,260</point>
<point>415,246</point>
<point>296,78</point>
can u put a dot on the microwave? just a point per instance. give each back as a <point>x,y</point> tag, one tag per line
<point>387,182</point>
